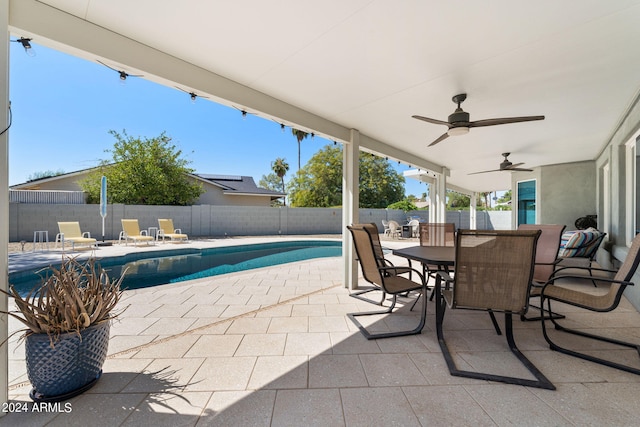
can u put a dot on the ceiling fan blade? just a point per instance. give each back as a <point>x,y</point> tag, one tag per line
<point>441,138</point>
<point>495,170</point>
<point>434,121</point>
<point>504,121</point>
<point>515,165</point>
<point>519,169</point>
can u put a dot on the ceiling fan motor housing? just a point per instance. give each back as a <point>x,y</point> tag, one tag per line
<point>459,117</point>
<point>505,164</point>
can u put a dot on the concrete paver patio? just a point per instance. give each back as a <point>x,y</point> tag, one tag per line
<point>274,347</point>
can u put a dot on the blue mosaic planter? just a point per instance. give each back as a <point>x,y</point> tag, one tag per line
<point>71,367</point>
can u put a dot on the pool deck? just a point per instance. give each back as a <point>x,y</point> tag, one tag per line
<point>274,347</point>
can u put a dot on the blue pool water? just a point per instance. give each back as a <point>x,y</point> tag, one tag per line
<point>146,269</point>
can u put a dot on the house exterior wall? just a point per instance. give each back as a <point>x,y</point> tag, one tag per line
<point>567,192</point>
<point>564,192</point>
<point>612,161</point>
<point>213,195</point>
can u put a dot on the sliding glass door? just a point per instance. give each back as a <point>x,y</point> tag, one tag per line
<point>526,200</point>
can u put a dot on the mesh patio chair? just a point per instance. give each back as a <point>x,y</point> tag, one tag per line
<point>435,234</point>
<point>595,303</point>
<point>493,272</point>
<point>384,276</point>
<point>546,259</point>
<point>379,253</point>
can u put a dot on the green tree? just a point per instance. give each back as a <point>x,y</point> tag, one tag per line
<point>456,201</point>
<point>485,196</point>
<point>319,182</point>
<point>280,167</point>
<point>300,135</point>
<point>44,174</point>
<point>143,172</point>
<point>405,205</point>
<point>271,182</point>
<point>506,197</point>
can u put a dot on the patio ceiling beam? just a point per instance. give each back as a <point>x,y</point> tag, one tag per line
<point>68,33</point>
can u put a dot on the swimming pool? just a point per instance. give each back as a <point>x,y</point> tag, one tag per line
<point>145,269</point>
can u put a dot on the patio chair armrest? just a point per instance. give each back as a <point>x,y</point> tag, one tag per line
<point>599,279</point>
<point>395,270</point>
<point>603,270</point>
<point>59,237</point>
<point>556,262</point>
<point>143,232</point>
<point>86,234</point>
<point>178,231</point>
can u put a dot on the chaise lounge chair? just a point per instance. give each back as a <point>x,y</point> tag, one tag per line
<point>168,231</point>
<point>131,231</point>
<point>70,233</point>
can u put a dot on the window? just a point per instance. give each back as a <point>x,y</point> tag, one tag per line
<point>606,199</point>
<point>526,202</point>
<point>631,210</point>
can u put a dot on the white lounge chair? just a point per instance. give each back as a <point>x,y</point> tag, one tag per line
<point>70,233</point>
<point>131,231</point>
<point>168,231</point>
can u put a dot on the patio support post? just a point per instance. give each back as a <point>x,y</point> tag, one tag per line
<point>350,206</point>
<point>440,200</point>
<point>4,196</point>
<point>473,210</point>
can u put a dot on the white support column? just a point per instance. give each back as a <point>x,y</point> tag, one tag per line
<point>350,206</point>
<point>441,198</point>
<point>4,196</point>
<point>473,210</point>
<point>433,197</point>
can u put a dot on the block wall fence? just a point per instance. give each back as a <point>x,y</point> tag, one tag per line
<point>217,221</point>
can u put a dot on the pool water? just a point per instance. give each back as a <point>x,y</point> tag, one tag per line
<point>147,269</point>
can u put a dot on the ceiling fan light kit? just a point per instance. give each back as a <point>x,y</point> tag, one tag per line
<point>462,130</point>
<point>459,121</point>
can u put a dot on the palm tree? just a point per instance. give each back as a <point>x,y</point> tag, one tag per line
<point>280,168</point>
<point>485,196</point>
<point>300,135</point>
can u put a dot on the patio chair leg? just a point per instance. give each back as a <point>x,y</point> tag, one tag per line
<point>550,316</point>
<point>495,322</point>
<point>358,294</point>
<point>585,356</point>
<point>370,336</point>
<point>540,382</point>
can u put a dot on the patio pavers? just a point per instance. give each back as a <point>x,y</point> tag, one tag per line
<point>203,353</point>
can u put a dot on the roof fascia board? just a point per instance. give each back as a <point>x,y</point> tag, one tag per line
<point>381,147</point>
<point>278,195</point>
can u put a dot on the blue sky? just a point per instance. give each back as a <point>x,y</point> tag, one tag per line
<point>63,108</point>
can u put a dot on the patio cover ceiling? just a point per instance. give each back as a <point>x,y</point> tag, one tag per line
<point>333,65</point>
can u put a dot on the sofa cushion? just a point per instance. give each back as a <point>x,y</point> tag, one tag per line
<point>579,243</point>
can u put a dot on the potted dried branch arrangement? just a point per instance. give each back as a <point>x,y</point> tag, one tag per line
<point>68,321</point>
